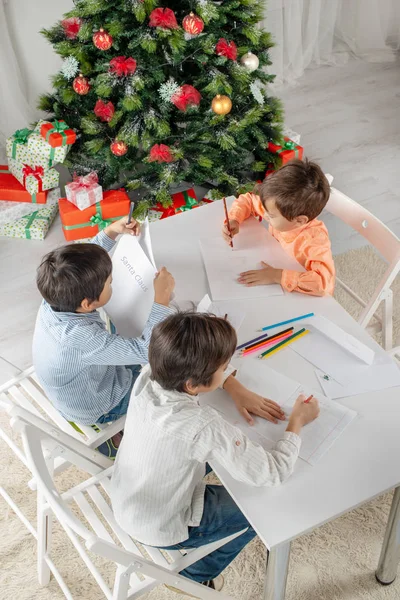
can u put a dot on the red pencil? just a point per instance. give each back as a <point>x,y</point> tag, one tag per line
<point>308,399</point>
<point>227,222</point>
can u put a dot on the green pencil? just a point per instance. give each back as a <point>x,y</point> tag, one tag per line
<point>288,340</point>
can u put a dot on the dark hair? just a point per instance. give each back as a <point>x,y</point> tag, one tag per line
<point>298,188</point>
<point>190,347</point>
<point>69,274</point>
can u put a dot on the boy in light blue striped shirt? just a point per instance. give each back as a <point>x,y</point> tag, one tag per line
<point>88,373</point>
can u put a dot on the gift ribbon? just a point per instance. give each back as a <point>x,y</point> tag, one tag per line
<point>58,127</point>
<point>96,219</point>
<point>289,145</point>
<point>33,196</point>
<point>37,173</point>
<point>20,137</point>
<point>86,183</point>
<point>189,202</point>
<point>31,218</point>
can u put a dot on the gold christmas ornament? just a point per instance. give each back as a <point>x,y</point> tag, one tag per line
<point>221,105</point>
<point>250,61</point>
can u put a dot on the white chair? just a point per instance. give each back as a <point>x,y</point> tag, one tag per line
<point>26,392</point>
<point>388,246</point>
<point>138,568</point>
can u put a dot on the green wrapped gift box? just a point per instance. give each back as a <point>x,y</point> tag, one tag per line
<point>35,225</point>
<point>28,147</point>
<point>34,179</point>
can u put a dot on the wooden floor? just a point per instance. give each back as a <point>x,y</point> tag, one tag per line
<point>349,119</point>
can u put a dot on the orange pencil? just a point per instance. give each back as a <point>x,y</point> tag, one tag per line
<point>227,222</point>
<point>308,399</point>
<point>265,344</point>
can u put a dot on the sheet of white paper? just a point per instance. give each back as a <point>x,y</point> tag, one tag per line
<point>133,291</point>
<point>145,242</point>
<point>235,316</point>
<point>377,377</point>
<point>341,337</point>
<point>317,437</point>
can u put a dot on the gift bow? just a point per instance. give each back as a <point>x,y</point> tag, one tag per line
<point>97,219</point>
<point>21,135</point>
<point>289,145</point>
<point>189,202</point>
<point>84,182</point>
<point>37,173</point>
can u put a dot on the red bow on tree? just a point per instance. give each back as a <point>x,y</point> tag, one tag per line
<point>163,17</point>
<point>161,153</point>
<point>104,110</point>
<point>227,49</point>
<point>71,27</point>
<point>186,96</point>
<point>122,66</point>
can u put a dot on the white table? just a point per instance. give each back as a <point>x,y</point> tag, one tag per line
<point>364,463</point>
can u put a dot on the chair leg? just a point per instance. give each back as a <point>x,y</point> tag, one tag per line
<point>44,530</point>
<point>121,583</point>
<point>387,322</point>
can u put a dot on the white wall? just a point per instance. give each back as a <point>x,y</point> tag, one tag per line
<point>35,55</point>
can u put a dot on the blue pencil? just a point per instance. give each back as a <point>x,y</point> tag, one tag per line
<point>287,322</point>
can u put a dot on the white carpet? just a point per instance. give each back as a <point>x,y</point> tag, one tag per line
<point>335,562</point>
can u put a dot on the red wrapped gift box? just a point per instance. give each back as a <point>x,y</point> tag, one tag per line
<point>287,151</point>
<point>79,224</point>
<point>181,202</point>
<point>12,190</point>
<point>57,133</point>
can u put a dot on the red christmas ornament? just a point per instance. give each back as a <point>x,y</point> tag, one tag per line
<point>118,148</point>
<point>102,40</point>
<point>163,17</point>
<point>71,27</point>
<point>186,96</point>
<point>227,49</point>
<point>104,110</point>
<point>81,85</point>
<point>161,153</point>
<point>193,24</point>
<point>122,66</point>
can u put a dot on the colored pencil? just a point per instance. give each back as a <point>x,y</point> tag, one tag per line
<point>264,336</point>
<point>268,338</point>
<point>308,399</point>
<point>227,222</point>
<point>226,316</point>
<point>132,206</point>
<point>287,322</point>
<point>266,344</point>
<point>284,343</point>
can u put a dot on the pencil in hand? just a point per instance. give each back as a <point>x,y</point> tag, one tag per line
<point>227,222</point>
<point>131,209</point>
<point>308,399</point>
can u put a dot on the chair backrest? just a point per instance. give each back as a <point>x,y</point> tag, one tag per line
<point>366,224</point>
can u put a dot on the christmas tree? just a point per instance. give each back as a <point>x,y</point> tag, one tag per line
<point>161,95</point>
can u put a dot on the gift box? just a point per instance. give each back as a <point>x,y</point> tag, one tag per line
<point>78,224</point>
<point>84,191</point>
<point>287,151</point>
<point>181,202</point>
<point>34,179</point>
<point>11,211</point>
<point>56,133</point>
<point>35,225</point>
<point>13,191</point>
<point>28,147</point>
<point>292,135</point>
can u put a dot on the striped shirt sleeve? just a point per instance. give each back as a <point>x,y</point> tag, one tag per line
<point>102,239</point>
<point>246,460</point>
<point>103,348</point>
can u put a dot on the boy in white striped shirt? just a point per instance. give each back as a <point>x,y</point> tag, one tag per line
<point>88,373</point>
<point>159,496</point>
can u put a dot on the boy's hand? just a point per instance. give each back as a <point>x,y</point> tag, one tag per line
<point>264,276</point>
<point>164,285</point>
<point>122,226</point>
<point>248,402</point>
<point>303,413</point>
<point>234,229</point>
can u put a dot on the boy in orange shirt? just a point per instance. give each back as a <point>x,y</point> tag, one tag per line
<point>290,200</point>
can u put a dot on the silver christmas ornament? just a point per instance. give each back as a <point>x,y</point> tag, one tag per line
<point>250,61</point>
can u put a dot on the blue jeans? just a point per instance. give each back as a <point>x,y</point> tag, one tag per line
<point>221,517</point>
<point>121,409</point>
